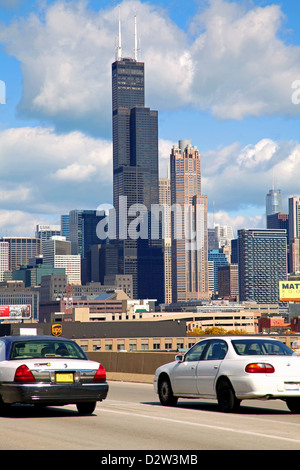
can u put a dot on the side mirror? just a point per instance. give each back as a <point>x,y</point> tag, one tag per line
<point>179,357</point>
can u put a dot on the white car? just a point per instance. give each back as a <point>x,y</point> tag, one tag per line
<point>47,370</point>
<point>231,369</point>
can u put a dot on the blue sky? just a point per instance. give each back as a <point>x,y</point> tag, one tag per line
<point>219,73</point>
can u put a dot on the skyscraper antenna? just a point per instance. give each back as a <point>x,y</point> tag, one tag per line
<point>135,40</point>
<point>119,51</point>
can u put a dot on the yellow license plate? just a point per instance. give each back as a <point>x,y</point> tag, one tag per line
<point>63,378</point>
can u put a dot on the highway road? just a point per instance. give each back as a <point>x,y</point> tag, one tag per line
<point>131,418</point>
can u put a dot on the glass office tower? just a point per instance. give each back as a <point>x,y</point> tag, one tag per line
<point>83,230</point>
<point>273,202</point>
<point>135,177</point>
<point>262,260</point>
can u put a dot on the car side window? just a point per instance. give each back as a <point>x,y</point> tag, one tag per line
<point>216,350</point>
<point>195,352</point>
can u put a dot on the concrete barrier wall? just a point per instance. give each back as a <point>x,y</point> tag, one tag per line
<point>131,362</point>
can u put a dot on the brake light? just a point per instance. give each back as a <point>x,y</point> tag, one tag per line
<point>260,368</point>
<point>100,375</point>
<point>23,375</point>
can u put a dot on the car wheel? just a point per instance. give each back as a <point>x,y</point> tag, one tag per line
<point>165,393</point>
<point>293,405</point>
<point>227,400</point>
<point>4,407</point>
<point>86,408</point>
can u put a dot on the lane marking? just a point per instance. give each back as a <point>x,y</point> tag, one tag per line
<point>233,416</point>
<point>189,423</point>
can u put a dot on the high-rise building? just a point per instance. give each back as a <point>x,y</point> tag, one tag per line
<point>294,217</point>
<point>57,245</point>
<point>211,277</point>
<point>45,232</point>
<point>65,226</point>
<point>57,253</point>
<point>294,234</point>
<point>278,220</point>
<point>135,178</point>
<point>21,249</point>
<point>273,202</point>
<point>219,259</point>
<point>189,225</point>
<point>294,256</point>
<point>165,202</point>
<point>4,263</point>
<point>83,230</point>
<point>228,284</point>
<point>220,237</point>
<point>262,260</point>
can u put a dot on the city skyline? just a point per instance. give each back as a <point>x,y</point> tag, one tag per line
<point>210,70</point>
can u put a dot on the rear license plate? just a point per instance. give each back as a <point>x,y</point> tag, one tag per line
<point>292,386</point>
<point>63,378</point>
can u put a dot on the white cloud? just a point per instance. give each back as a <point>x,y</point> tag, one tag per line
<point>44,172</point>
<point>76,172</point>
<point>15,195</point>
<point>45,175</point>
<point>236,221</point>
<point>231,62</point>
<point>236,177</point>
<point>243,68</point>
<point>21,223</point>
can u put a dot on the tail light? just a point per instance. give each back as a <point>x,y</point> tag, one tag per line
<point>23,375</point>
<point>100,375</point>
<point>260,368</point>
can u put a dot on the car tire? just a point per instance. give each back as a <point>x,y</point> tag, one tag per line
<point>227,401</point>
<point>165,392</point>
<point>86,408</point>
<point>4,407</point>
<point>293,404</point>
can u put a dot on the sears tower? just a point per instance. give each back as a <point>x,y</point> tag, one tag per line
<point>135,175</point>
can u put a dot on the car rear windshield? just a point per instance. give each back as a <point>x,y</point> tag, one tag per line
<point>245,347</point>
<point>37,349</point>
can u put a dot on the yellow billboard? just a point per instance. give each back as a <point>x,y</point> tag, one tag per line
<point>289,291</point>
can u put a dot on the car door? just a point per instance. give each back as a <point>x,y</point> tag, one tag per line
<point>185,372</point>
<point>208,366</point>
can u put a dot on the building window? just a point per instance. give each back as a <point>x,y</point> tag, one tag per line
<point>84,345</point>
<point>96,346</point>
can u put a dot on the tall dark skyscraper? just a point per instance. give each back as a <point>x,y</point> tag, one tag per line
<point>135,176</point>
